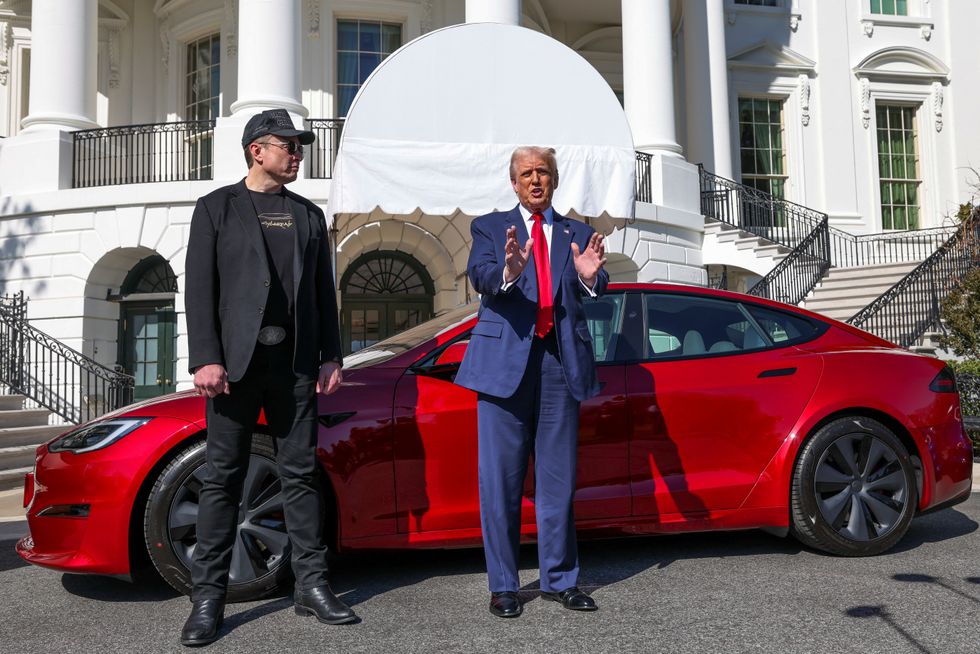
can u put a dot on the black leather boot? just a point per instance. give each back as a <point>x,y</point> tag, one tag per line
<point>203,623</point>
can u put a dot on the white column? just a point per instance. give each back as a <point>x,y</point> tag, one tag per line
<point>507,12</point>
<point>648,76</point>
<point>706,86</point>
<point>64,41</point>
<point>269,74</point>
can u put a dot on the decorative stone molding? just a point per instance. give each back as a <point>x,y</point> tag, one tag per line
<point>5,44</point>
<point>925,31</point>
<point>165,41</point>
<point>865,102</point>
<point>427,22</point>
<point>804,89</point>
<point>313,14</point>
<point>937,105</point>
<point>731,16</point>
<point>113,59</point>
<point>869,27</point>
<point>794,21</point>
<point>230,31</point>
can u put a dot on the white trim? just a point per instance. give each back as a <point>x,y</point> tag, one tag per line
<point>179,36</point>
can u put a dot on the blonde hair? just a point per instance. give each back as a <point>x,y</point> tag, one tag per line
<point>548,154</point>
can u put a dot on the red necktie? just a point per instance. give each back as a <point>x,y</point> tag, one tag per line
<point>542,266</point>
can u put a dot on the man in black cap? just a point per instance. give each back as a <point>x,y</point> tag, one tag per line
<point>263,335</point>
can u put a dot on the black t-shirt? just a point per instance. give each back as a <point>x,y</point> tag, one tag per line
<point>280,246</point>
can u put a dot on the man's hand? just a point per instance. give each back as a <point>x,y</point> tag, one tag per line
<point>514,257</point>
<point>590,261</point>
<point>330,378</point>
<point>211,380</point>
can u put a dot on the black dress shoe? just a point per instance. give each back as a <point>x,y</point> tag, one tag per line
<point>505,604</point>
<point>203,623</point>
<point>572,599</point>
<point>322,603</point>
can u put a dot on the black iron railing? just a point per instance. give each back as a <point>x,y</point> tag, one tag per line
<point>850,250</point>
<point>324,149</point>
<point>53,375</point>
<point>138,154</point>
<point>905,311</point>
<point>755,211</point>
<point>644,189</point>
<point>799,228</point>
<point>794,277</point>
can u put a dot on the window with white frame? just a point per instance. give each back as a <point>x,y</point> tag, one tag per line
<point>361,46</point>
<point>761,149</point>
<point>890,7</point>
<point>898,166</point>
<point>203,79</point>
<point>202,100</point>
<point>760,3</point>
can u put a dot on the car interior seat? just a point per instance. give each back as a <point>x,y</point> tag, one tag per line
<point>692,343</point>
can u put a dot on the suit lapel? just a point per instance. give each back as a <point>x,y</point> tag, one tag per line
<point>528,281</point>
<point>245,210</point>
<point>561,242</point>
<point>301,223</point>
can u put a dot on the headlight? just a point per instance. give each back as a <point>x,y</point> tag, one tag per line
<point>96,435</point>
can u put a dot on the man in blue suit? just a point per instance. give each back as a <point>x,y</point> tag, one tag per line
<point>530,360</point>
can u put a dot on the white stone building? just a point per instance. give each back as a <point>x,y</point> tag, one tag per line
<point>859,109</point>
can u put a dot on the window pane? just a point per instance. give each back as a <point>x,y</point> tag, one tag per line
<point>761,145</point>
<point>369,37</point>
<point>346,35</point>
<point>897,159</point>
<point>391,38</point>
<point>367,62</point>
<point>346,68</point>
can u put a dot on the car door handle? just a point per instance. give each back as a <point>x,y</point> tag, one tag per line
<point>777,372</point>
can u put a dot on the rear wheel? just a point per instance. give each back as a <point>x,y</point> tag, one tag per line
<point>854,490</point>
<point>260,555</point>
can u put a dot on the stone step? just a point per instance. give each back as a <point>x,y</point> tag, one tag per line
<point>836,292</point>
<point>24,417</point>
<point>750,243</point>
<point>772,250</point>
<point>11,402</point>
<point>896,270</point>
<point>13,477</point>
<point>35,435</point>
<point>732,235</point>
<point>19,456</point>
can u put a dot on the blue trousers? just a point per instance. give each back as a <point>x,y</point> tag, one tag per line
<point>542,417</point>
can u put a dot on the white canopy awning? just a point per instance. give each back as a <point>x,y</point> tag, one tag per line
<point>432,129</point>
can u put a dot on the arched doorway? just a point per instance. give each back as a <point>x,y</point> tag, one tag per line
<point>148,327</point>
<point>383,293</point>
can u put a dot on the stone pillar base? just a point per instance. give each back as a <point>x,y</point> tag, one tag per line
<point>37,161</point>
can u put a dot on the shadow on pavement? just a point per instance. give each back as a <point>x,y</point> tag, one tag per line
<point>111,589</point>
<point>8,556</point>
<point>935,528</point>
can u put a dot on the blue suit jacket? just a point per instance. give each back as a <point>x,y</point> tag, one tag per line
<point>498,351</point>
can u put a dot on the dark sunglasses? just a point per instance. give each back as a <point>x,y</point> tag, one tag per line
<point>291,147</point>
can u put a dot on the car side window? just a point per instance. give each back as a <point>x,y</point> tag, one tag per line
<point>604,316</point>
<point>683,326</point>
<point>782,327</point>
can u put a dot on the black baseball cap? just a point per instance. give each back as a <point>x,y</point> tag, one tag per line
<point>274,121</point>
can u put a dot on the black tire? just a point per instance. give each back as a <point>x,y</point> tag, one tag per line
<point>853,491</point>
<point>260,559</point>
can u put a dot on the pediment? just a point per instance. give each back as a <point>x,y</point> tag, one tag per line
<point>902,63</point>
<point>766,55</point>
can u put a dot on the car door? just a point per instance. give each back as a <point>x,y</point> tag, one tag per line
<point>436,441</point>
<point>717,390</point>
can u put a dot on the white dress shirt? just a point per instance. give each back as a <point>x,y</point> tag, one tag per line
<point>547,224</point>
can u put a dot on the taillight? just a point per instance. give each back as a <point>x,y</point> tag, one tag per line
<point>945,381</point>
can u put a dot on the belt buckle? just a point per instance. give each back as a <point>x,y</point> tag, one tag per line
<point>272,335</point>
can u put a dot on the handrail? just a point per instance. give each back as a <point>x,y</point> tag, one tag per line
<point>850,250</point>
<point>52,374</point>
<point>139,154</point>
<point>794,277</point>
<point>905,311</point>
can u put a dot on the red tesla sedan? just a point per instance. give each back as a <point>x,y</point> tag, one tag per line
<point>717,411</point>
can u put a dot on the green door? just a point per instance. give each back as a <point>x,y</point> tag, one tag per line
<point>149,347</point>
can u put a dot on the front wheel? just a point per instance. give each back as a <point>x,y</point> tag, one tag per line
<point>260,554</point>
<point>853,490</point>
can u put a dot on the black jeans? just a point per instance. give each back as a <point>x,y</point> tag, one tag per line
<point>289,401</point>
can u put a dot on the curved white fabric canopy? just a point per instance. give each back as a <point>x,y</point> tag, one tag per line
<point>432,129</point>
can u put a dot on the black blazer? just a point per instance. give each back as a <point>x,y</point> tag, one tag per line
<point>228,283</point>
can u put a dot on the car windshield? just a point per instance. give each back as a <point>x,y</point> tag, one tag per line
<point>406,340</point>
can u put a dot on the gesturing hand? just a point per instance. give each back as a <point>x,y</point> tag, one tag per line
<point>515,258</point>
<point>590,261</point>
